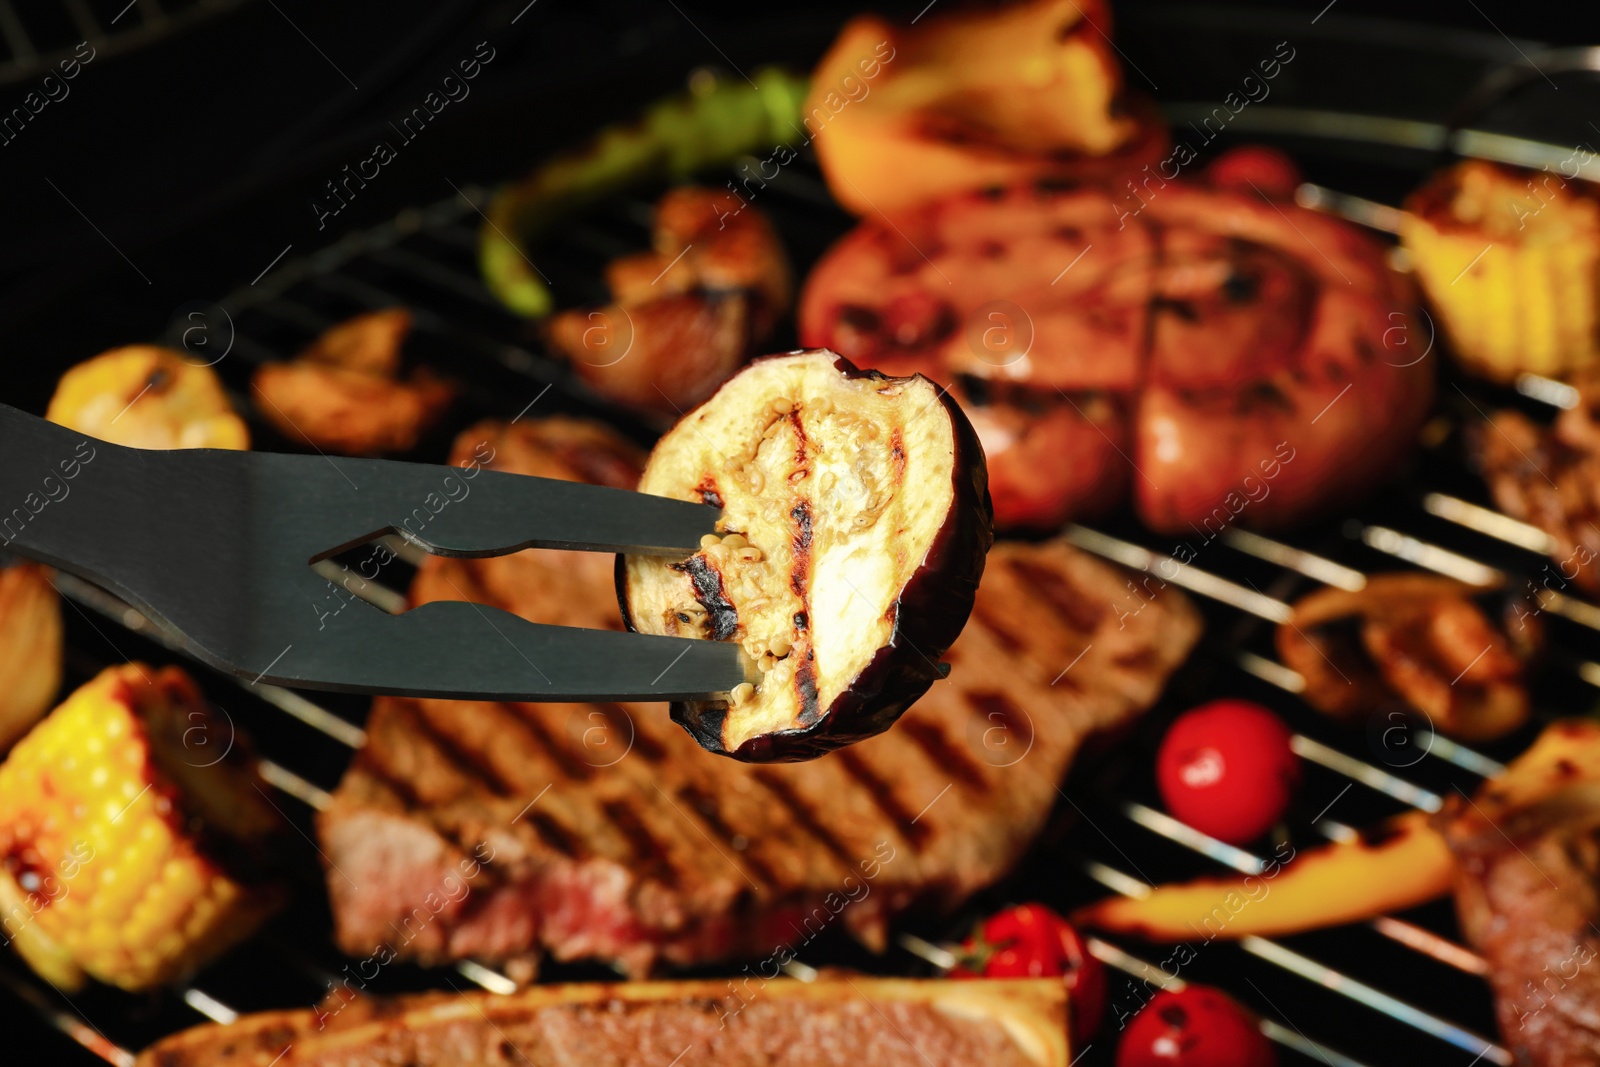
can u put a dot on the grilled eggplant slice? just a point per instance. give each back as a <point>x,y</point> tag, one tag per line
<point>855,521</point>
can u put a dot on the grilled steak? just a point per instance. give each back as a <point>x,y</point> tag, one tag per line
<point>1549,477</point>
<point>833,1022</point>
<point>495,831</point>
<point>1528,896</point>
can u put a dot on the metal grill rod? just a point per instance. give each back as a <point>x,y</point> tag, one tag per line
<point>1338,982</point>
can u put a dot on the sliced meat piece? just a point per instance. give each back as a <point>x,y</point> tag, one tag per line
<point>1418,641</point>
<point>1264,354</point>
<point>1550,477</point>
<point>603,831</point>
<point>833,1022</point>
<point>345,393</point>
<point>1528,897</point>
<point>685,315</point>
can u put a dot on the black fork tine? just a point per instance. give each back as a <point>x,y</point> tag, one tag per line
<point>459,649</point>
<point>453,511</point>
<point>218,547</point>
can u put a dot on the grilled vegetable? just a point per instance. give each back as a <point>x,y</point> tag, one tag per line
<point>906,114</point>
<point>344,393</point>
<point>1031,941</point>
<point>1566,753</point>
<point>855,522</point>
<point>712,125</point>
<point>147,397</point>
<point>1508,258</point>
<point>1226,769</point>
<point>1417,640</point>
<point>687,314</point>
<point>134,842</point>
<point>1195,1026</point>
<point>30,648</point>
<point>1400,866</point>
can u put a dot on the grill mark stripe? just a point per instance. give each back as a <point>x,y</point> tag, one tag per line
<point>470,765</point>
<point>947,757</point>
<point>709,591</point>
<point>525,718</point>
<point>1049,583</point>
<point>995,621</point>
<point>704,805</point>
<point>646,849</point>
<point>553,833</point>
<point>883,795</point>
<point>991,704</point>
<point>369,761</point>
<point>793,803</point>
<point>646,746</point>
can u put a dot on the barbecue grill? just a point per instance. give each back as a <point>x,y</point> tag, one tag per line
<point>1400,989</point>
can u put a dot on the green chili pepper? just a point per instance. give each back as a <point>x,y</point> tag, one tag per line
<point>711,125</point>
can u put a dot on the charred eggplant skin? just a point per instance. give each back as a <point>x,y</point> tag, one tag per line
<point>929,614</point>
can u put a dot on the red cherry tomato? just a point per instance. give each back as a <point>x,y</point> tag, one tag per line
<point>1195,1026</point>
<point>1254,168</point>
<point>1226,769</point>
<point>1031,941</point>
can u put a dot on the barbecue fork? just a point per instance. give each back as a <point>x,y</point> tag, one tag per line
<point>217,548</point>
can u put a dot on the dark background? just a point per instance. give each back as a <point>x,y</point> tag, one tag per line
<point>182,163</point>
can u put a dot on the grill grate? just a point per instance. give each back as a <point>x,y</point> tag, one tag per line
<point>35,37</point>
<point>1332,987</point>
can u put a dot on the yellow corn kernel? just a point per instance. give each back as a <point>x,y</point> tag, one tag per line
<point>1510,264</point>
<point>99,873</point>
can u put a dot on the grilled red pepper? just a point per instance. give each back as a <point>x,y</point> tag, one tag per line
<point>1031,941</point>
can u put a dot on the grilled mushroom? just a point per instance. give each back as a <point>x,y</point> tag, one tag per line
<point>1416,640</point>
<point>855,522</point>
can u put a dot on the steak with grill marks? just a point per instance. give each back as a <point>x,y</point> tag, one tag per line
<point>837,1021</point>
<point>1528,894</point>
<point>500,831</point>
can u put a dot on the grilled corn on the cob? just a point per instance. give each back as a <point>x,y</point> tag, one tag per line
<point>1510,261</point>
<point>132,834</point>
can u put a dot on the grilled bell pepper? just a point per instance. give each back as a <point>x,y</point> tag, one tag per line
<point>134,843</point>
<point>712,125</point>
<point>902,115</point>
<point>1404,864</point>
